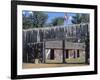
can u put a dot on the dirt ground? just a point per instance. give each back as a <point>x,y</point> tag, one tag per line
<point>31,65</point>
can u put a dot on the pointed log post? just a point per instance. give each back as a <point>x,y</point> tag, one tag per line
<point>27,58</point>
<point>63,44</point>
<point>44,52</point>
<point>87,51</point>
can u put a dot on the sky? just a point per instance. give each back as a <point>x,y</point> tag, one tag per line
<point>52,15</point>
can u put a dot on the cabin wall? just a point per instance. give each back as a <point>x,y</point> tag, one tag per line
<point>57,56</point>
<point>74,57</point>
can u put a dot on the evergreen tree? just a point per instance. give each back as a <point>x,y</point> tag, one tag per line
<point>80,18</point>
<point>34,20</point>
<point>57,21</point>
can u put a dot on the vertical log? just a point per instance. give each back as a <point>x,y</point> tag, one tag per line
<point>63,46</point>
<point>44,57</point>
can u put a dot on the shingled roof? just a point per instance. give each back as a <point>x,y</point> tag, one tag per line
<point>68,45</point>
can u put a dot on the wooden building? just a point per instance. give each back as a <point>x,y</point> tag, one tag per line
<point>72,52</point>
